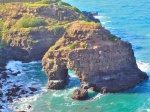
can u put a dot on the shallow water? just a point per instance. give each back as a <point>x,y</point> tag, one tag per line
<point>129,20</point>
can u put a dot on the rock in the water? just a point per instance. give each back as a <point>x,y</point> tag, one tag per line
<point>56,84</point>
<point>4,75</point>
<point>101,60</point>
<point>2,62</point>
<point>16,73</point>
<point>1,93</point>
<point>32,89</point>
<point>80,94</point>
<point>29,106</point>
<point>1,107</point>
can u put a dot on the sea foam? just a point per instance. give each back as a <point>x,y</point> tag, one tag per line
<point>27,77</point>
<point>143,66</point>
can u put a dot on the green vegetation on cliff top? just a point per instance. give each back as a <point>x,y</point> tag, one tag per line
<point>25,22</point>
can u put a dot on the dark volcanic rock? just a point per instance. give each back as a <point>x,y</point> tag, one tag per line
<point>29,106</point>
<point>102,61</point>
<point>1,93</point>
<point>13,91</point>
<point>91,15</point>
<point>10,99</point>
<point>2,62</point>
<point>80,94</point>
<point>3,69</point>
<point>1,107</point>
<point>4,75</point>
<point>23,92</point>
<point>3,58</point>
<point>16,73</point>
<point>32,89</point>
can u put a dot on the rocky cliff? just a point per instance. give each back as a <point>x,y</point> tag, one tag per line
<point>28,29</point>
<point>102,62</point>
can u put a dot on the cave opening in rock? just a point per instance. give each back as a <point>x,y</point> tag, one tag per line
<point>74,81</point>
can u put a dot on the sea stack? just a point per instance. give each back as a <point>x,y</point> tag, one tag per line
<point>102,62</point>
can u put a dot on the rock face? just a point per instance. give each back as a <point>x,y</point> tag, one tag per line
<point>31,43</point>
<point>80,94</point>
<point>102,62</point>
<point>91,15</point>
<point>3,59</point>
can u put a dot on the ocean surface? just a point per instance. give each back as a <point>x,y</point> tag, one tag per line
<point>129,20</point>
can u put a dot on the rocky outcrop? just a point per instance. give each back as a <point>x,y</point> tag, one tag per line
<point>31,43</point>
<point>91,15</point>
<point>103,62</point>
<point>80,94</point>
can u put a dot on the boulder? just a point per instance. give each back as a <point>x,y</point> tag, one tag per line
<point>80,94</point>
<point>56,84</point>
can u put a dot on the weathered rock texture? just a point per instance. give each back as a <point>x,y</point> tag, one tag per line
<point>80,94</point>
<point>31,43</point>
<point>102,62</point>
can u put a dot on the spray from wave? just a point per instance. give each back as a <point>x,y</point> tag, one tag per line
<point>143,66</point>
<point>21,82</point>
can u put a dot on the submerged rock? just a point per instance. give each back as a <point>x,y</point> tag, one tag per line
<point>102,61</point>
<point>80,94</point>
<point>33,89</point>
<point>4,75</point>
<point>16,73</point>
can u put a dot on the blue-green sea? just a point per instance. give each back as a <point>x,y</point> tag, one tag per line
<point>129,20</point>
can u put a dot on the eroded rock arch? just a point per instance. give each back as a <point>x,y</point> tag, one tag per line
<point>105,63</point>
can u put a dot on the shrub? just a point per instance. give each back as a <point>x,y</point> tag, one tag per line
<point>84,45</point>
<point>82,17</point>
<point>72,46</point>
<point>45,1</point>
<point>113,37</point>
<point>76,9</point>
<point>31,22</point>
<point>56,29</point>
<point>1,23</point>
<point>52,48</point>
<point>60,3</point>
<point>68,6</point>
<point>34,41</point>
<point>3,45</point>
<point>4,34</point>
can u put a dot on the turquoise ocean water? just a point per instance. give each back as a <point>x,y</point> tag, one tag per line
<point>129,20</point>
